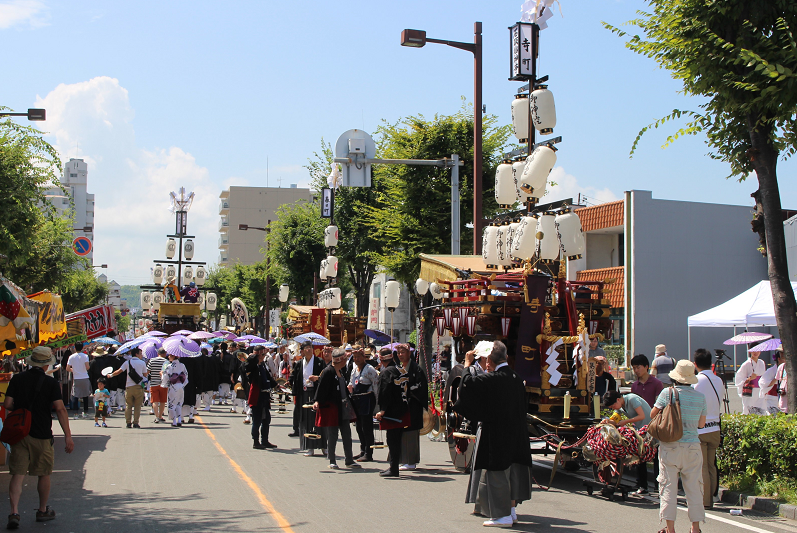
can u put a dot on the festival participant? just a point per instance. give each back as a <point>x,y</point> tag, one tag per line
<point>604,381</point>
<point>362,388</point>
<point>309,369</point>
<point>662,364</point>
<point>241,392</point>
<point>78,365</point>
<point>769,383</point>
<point>117,385</point>
<point>646,386</point>
<point>190,293</point>
<point>136,370</point>
<point>783,384</point>
<point>393,412</point>
<point>637,412</point>
<point>156,392</point>
<point>746,381</point>
<point>332,400</point>
<point>418,397</point>
<point>174,378</point>
<point>295,383</point>
<point>225,375</point>
<point>261,381</point>
<point>501,475</point>
<point>208,382</point>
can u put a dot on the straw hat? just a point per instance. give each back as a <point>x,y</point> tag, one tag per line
<point>41,356</point>
<point>684,372</point>
<point>99,350</point>
<point>660,348</point>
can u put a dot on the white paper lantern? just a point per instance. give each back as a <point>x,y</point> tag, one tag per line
<point>330,236</point>
<point>322,272</point>
<point>510,238</point>
<point>210,301</point>
<point>517,172</point>
<point>547,237</point>
<point>505,189</point>
<point>146,300</point>
<point>157,274</point>
<point>421,286</point>
<point>171,248</point>
<point>188,275</point>
<point>543,110</point>
<point>284,292</point>
<point>571,235</point>
<point>200,275</point>
<point>335,298</point>
<point>434,288</point>
<point>523,244</point>
<point>188,250</point>
<point>171,272</point>
<point>332,267</point>
<point>502,246</point>
<point>490,246</point>
<point>392,294</point>
<point>535,176</point>
<point>520,117</point>
<point>157,300</point>
<point>201,300</point>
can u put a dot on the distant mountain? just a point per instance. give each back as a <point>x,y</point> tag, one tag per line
<point>132,294</point>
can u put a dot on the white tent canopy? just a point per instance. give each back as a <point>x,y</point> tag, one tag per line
<point>752,308</point>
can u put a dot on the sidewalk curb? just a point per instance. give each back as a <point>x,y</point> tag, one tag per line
<point>759,503</point>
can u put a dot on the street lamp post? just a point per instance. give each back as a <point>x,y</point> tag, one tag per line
<point>267,229</point>
<point>417,39</point>
<point>32,114</point>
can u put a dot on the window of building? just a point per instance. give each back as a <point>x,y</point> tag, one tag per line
<point>73,175</point>
<point>377,290</point>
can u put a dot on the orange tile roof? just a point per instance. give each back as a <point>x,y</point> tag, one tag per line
<point>601,216</point>
<point>617,288</point>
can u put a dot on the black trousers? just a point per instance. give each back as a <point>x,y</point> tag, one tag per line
<point>393,437</point>
<point>642,473</point>
<point>297,413</point>
<point>332,442</point>
<point>365,431</point>
<point>261,419</point>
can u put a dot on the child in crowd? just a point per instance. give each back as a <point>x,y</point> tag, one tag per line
<point>101,397</point>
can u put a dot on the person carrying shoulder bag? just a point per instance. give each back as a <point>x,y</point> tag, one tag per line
<point>682,456</point>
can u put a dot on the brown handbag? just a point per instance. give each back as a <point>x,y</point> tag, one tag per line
<point>667,426</point>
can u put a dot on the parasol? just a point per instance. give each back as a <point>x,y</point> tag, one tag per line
<point>267,344</point>
<point>217,340</point>
<point>766,346</point>
<point>378,336</point>
<point>183,332</point>
<point>201,335</point>
<point>155,333</point>
<point>315,338</point>
<point>747,337</point>
<point>251,338</point>
<point>129,345</point>
<point>106,340</point>
<point>150,349</point>
<point>227,335</point>
<point>208,347</point>
<point>181,346</point>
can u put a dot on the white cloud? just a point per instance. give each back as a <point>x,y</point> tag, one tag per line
<point>567,186</point>
<point>22,12</point>
<point>93,120</point>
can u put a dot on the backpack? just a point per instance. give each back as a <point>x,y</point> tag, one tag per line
<point>17,423</point>
<point>667,426</point>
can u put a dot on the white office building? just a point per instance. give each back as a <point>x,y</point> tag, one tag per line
<point>75,182</point>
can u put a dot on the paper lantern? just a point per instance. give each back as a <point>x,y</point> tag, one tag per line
<point>188,275</point>
<point>535,176</point>
<point>284,291</point>
<point>200,275</point>
<point>157,274</point>
<point>470,325</point>
<point>171,272</point>
<point>462,312</point>
<point>434,288</point>
<point>332,267</point>
<point>520,117</point>
<point>210,301</point>
<point>146,299</point>
<point>448,313</point>
<point>455,326</point>
<point>188,250</point>
<point>502,244</point>
<point>510,238</point>
<point>392,294</point>
<point>571,236</point>
<point>524,244</point>
<point>517,172</point>
<point>490,246</point>
<point>440,323</point>
<point>330,236</point>
<point>201,300</point>
<point>335,298</point>
<point>421,286</point>
<point>547,237</point>
<point>322,272</point>
<point>171,248</point>
<point>157,300</point>
<point>543,110</point>
<point>505,188</point>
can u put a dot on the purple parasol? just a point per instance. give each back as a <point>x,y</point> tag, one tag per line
<point>182,332</point>
<point>251,338</point>
<point>766,346</point>
<point>150,349</point>
<point>225,334</point>
<point>201,335</point>
<point>156,333</point>
<point>181,346</point>
<point>747,337</point>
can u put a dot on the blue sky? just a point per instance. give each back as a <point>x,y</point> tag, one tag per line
<point>155,95</point>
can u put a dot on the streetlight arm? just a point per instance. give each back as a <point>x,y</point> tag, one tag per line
<point>470,47</point>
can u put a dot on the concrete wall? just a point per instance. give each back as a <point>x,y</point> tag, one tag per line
<point>687,257</point>
<point>602,250</point>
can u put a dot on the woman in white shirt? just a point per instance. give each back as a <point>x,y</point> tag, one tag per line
<point>747,376</point>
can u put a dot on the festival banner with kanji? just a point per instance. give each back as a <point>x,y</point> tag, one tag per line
<point>52,322</point>
<point>527,352</point>
<point>318,324</point>
<point>99,320</point>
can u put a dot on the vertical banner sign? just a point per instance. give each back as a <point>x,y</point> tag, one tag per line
<point>527,352</point>
<point>373,314</point>
<point>52,321</point>
<point>181,222</point>
<point>318,324</point>
<point>327,202</point>
<point>522,48</point>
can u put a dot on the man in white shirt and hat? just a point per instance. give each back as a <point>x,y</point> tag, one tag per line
<point>710,385</point>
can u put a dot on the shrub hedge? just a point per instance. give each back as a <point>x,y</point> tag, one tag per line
<point>758,447</point>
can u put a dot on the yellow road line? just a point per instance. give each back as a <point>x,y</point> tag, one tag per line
<point>281,521</point>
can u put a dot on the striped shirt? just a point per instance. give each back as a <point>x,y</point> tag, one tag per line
<point>693,406</point>
<point>155,366</point>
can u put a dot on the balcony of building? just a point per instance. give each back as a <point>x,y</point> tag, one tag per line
<point>223,258</point>
<point>224,241</point>
<point>224,206</point>
<point>224,225</point>
<point>224,194</point>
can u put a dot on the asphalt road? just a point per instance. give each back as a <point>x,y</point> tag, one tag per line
<point>207,477</point>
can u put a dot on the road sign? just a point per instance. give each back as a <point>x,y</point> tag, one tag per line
<point>355,145</point>
<point>81,246</point>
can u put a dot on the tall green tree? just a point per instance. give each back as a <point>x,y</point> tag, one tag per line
<point>80,289</point>
<point>740,55</point>
<point>247,282</point>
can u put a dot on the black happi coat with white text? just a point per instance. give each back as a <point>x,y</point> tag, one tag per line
<point>401,390</point>
<point>497,400</point>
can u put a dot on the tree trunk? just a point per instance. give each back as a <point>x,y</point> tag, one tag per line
<point>764,157</point>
